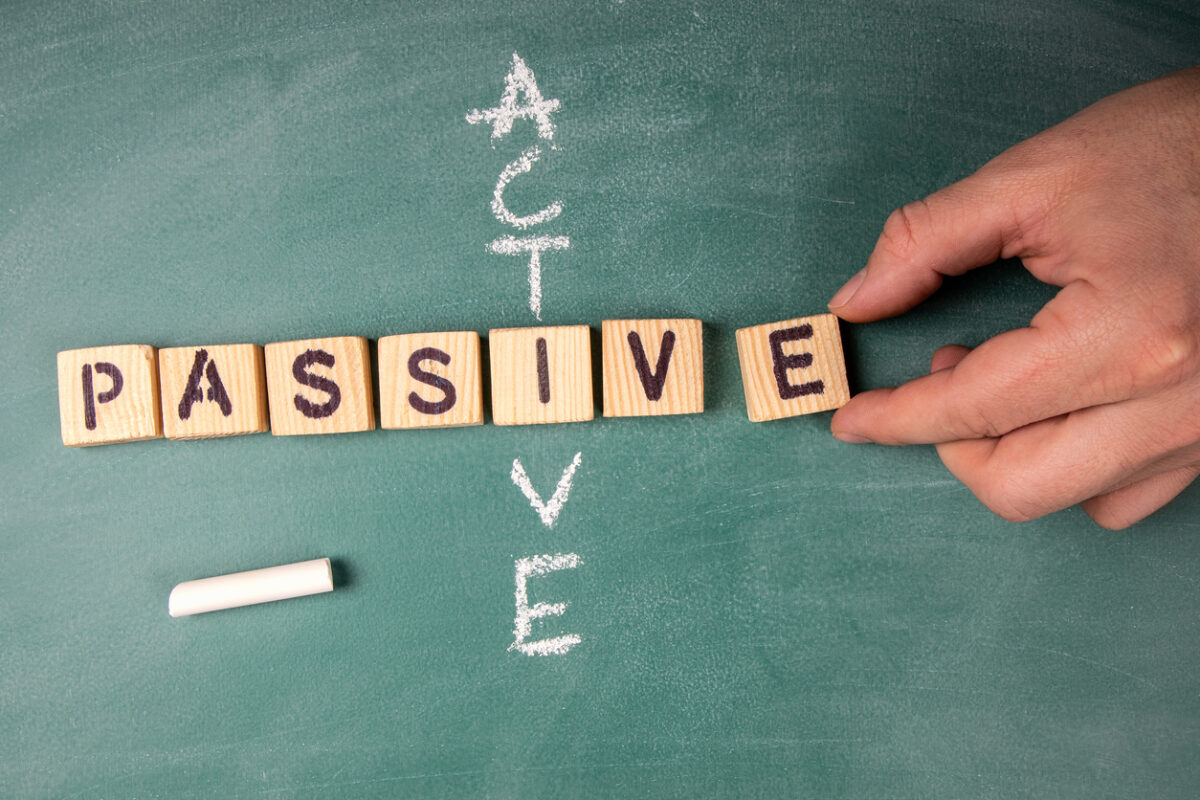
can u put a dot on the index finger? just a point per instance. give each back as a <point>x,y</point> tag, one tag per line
<point>1055,366</point>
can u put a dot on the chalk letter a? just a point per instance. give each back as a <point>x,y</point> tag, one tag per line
<point>519,81</point>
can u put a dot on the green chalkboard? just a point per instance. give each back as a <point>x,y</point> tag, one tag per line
<point>761,611</point>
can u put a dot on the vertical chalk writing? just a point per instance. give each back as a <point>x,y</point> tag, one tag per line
<point>548,512</point>
<point>783,362</point>
<point>521,165</point>
<point>450,396</point>
<point>526,614</point>
<point>90,399</point>
<point>192,393</point>
<point>305,378</point>
<point>519,81</point>
<point>652,382</point>
<point>522,99</point>
<point>534,245</point>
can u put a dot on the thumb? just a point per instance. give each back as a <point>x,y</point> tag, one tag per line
<point>963,226</point>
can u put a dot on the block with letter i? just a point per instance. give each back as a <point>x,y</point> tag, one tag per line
<point>320,386</point>
<point>214,390</point>
<point>430,380</point>
<point>793,367</point>
<point>652,367</point>
<point>541,375</point>
<point>108,395</point>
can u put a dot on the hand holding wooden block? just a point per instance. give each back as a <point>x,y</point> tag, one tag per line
<point>320,386</point>
<point>429,380</point>
<point>793,367</point>
<point>652,367</point>
<point>541,375</point>
<point>216,390</point>
<point>108,394</point>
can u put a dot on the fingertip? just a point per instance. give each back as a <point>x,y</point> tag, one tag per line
<point>845,295</point>
<point>1121,508</point>
<point>947,357</point>
<point>843,427</point>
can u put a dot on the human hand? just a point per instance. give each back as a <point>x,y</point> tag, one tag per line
<point>1097,402</point>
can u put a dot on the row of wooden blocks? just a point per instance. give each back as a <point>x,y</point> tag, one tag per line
<point>538,375</point>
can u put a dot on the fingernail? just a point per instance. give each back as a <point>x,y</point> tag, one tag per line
<point>846,293</point>
<point>851,438</point>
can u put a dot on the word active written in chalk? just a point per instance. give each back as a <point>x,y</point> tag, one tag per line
<point>539,375</point>
<point>522,99</point>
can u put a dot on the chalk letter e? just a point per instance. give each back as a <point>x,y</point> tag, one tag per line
<point>526,614</point>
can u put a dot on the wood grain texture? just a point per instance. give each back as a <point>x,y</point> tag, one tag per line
<point>434,406</point>
<point>233,405</point>
<point>792,367</point>
<point>131,415</point>
<point>523,394</point>
<point>336,395</point>
<point>634,385</point>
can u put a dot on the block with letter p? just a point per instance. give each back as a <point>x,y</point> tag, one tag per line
<point>320,386</point>
<point>108,394</point>
<point>793,367</point>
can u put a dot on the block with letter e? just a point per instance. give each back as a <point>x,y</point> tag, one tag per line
<point>214,390</point>
<point>430,380</point>
<point>108,395</point>
<point>320,386</point>
<point>793,367</point>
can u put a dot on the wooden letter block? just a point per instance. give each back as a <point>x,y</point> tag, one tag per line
<point>215,390</point>
<point>793,367</point>
<point>320,386</point>
<point>652,366</point>
<point>541,375</point>
<point>108,394</point>
<point>430,380</point>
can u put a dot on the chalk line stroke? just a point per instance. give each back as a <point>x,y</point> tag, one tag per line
<point>548,512</point>
<point>523,164</point>
<point>534,245</point>
<point>519,81</point>
<point>526,614</point>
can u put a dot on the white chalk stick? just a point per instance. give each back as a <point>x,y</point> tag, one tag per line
<point>248,588</point>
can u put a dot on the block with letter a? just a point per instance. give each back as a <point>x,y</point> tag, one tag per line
<point>793,367</point>
<point>214,390</point>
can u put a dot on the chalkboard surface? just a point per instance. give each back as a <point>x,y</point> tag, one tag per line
<point>759,610</point>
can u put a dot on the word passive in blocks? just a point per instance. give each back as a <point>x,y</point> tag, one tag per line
<point>652,367</point>
<point>429,380</point>
<point>541,375</point>
<point>215,390</point>
<point>108,394</point>
<point>320,386</point>
<point>793,367</point>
